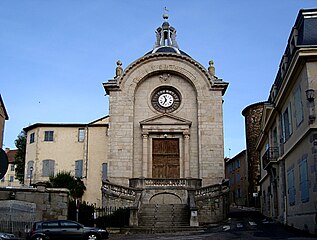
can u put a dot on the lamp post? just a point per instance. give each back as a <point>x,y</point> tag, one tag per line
<point>31,170</point>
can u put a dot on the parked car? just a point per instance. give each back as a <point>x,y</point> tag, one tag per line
<point>5,236</point>
<point>65,229</point>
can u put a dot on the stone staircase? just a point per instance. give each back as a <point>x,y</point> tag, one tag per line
<point>164,215</point>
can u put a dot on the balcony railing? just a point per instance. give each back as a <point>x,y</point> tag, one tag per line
<point>270,156</point>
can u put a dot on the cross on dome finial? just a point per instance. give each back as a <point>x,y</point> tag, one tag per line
<point>166,35</point>
<point>166,38</point>
<point>165,14</point>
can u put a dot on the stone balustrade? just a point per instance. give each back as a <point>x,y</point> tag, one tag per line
<point>183,183</point>
<point>119,191</point>
<point>210,191</point>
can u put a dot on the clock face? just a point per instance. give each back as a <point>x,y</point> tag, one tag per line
<point>166,99</point>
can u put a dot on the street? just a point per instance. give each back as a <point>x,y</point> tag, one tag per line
<point>241,224</point>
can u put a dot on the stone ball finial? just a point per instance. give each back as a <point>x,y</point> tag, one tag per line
<point>211,69</point>
<point>119,69</point>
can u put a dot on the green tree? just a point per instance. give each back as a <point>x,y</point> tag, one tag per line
<point>19,159</point>
<point>64,179</point>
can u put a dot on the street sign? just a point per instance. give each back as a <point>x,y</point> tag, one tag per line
<point>3,163</point>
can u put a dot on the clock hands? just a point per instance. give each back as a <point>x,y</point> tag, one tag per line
<point>165,99</point>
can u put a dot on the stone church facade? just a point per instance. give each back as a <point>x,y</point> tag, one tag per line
<point>160,152</point>
<point>165,144</point>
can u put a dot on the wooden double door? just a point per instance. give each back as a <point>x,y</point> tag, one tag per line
<point>165,158</point>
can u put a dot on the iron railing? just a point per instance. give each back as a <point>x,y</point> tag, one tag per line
<point>270,156</point>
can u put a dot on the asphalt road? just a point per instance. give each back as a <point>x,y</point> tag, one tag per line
<point>241,224</point>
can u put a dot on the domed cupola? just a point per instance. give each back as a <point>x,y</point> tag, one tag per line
<point>166,39</point>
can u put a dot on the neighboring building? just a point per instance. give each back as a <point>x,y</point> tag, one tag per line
<point>288,137</point>
<point>77,148</point>
<point>9,179</point>
<point>253,116</point>
<point>237,173</point>
<point>3,117</point>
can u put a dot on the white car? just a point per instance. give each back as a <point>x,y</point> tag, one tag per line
<point>5,236</point>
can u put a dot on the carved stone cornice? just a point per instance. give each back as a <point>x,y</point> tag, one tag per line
<point>215,84</point>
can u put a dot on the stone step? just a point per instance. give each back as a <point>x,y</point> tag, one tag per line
<point>164,215</point>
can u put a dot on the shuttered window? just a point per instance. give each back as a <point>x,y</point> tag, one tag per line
<point>104,171</point>
<point>303,178</point>
<point>291,187</point>
<point>287,123</point>
<point>298,106</point>
<point>79,169</point>
<point>30,165</point>
<point>48,168</point>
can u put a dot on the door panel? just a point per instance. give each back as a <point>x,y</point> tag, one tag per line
<point>165,158</point>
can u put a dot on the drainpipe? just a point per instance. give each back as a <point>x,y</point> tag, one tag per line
<point>86,152</point>
<point>285,193</point>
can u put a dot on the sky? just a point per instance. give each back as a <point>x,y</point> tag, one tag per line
<point>55,55</point>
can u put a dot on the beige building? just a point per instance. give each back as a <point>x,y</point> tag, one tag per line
<point>236,171</point>
<point>287,143</point>
<point>77,148</point>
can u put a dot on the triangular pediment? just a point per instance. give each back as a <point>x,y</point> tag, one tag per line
<point>165,119</point>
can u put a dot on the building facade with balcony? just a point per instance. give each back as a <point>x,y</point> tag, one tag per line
<point>288,138</point>
<point>80,149</point>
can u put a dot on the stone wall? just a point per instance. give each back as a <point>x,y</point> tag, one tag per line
<point>253,115</point>
<point>20,207</point>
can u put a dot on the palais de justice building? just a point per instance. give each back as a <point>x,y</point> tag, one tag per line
<point>165,126</point>
<point>163,140</point>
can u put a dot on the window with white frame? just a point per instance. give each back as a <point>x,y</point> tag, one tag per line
<point>48,168</point>
<point>78,168</point>
<point>81,134</point>
<point>12,167</point>
<point>49,136</point>
<point>32,137</point>
<point>299,116</point>
<point>11,179</point>
<point>287,123</point>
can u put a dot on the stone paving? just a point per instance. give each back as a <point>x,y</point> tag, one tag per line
<point>241,224</point>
